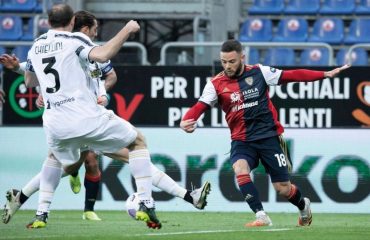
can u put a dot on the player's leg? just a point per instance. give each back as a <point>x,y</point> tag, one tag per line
<point>244,158</point>
<point>140,167</point>
<point>113,134</point>
<point>276,163</point>
<point>91,183</point>
<point>50,175</point>
<point>196,197</point>
<point>16,198</point>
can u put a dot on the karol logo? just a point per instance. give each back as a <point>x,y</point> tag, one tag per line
<point>22,99</point>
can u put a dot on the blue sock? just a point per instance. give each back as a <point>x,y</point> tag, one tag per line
<point>249,192</point>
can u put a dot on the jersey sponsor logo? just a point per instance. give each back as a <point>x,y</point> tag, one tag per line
<point>249,80</point>
<point>273,70</point>
<point>244,105</point>
<point>235,97</point>
<point>250,93</point>
<point>60,103</point>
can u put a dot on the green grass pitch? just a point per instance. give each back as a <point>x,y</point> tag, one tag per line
<point>188,225</point>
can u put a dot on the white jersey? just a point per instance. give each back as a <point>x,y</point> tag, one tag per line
<point>59,58</point>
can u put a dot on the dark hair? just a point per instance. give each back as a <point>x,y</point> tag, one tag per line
<point>82,19</point>
<point>232,45</point>
<point>60,15</point>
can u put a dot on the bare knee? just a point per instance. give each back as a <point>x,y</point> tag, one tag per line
<point>241,167</point>
<point>91,164</point>
<point>282,188</point>
<point>139,143</point>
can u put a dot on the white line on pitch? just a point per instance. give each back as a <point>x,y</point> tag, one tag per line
<point>213,231</point>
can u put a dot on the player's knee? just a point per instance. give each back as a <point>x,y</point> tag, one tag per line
<point>241,167</point>
<point>91,162</point>
<point>282,188</point>
<point>139,143</point>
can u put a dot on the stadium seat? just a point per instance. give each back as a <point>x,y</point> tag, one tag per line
<point>363,8</point>
<point>42,26</point>
<point>279,57</point>
<point>359,57</point>
<point>21,52</point>
<point>337,7</point>
<point>274,7</point>
<point>359,31</point>
<point>302,7</point>
<point>256,30</point>
<point>253,56</point>
<point>329,30</point>
<point>18,5</point>
<point>10,28</point>
<point>315,57</point>
<point>28,30</point>
<point>291,30</point>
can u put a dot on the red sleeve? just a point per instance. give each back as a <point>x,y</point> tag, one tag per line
<point>195,111</point>
<point>301,75</point>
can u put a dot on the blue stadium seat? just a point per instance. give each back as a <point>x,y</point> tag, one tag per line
<point>302,7</point>
<point>359,57</point>
<point>291,30</point>
<point>359,31</point>
<point>274,7</point>
<point>279,57</point>
<point>18,5</point>
<point>315,57</point>
<point>256,30</point>
<point>21,52</point>
<point>28,30</point>
<point>363,8</point>
<point>253,56</point>
<point>10,28</point>
<point>337,7</point>
<point>329,30</point>
<point>42,25</point>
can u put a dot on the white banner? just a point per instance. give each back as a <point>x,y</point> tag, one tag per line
<point>331,166</point>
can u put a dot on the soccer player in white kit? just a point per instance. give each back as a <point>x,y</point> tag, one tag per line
<point>72,117</point>
<point>15,198</point>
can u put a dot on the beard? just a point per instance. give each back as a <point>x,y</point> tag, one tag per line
<point>237,73</point>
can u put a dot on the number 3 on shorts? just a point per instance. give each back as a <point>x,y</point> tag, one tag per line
<point>281,159</point>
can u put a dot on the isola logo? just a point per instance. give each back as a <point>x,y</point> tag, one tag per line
<point>23,99</point>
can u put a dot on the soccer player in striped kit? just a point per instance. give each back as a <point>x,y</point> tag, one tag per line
<point>242,93</point>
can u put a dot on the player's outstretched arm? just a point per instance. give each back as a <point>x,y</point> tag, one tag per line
<point>305,75</point>
<point>336,71</point>
<point>110,49</point>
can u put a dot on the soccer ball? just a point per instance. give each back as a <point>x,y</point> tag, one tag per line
<point>132,204</point>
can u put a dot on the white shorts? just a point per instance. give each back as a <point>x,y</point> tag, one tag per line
<point>112,134</point>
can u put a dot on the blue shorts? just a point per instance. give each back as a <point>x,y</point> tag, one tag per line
<point>269,151</point>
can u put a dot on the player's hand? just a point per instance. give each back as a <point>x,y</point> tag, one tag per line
<point>10,61</point>
<point>188,125</point>
<point>103,100</point>
<point>132,26</point>
<point>336,71</point>
<point>40,101</point>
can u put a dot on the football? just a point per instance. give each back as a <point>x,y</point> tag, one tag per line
<point>132,204</point>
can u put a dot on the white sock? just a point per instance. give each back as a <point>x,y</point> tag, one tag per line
<point>139,162</point>
<point>50,175</point>
<point>32,186</point>
<point>164,182</point>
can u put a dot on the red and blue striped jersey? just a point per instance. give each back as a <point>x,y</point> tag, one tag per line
<point>250,113</point>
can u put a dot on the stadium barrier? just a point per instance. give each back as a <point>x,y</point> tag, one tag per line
<point>331,167</point>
